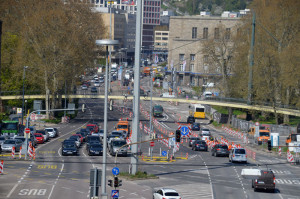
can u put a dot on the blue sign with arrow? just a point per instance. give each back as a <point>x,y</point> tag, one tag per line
<point>115,171</point>
<point>184,130</point>
<point>163,153</point>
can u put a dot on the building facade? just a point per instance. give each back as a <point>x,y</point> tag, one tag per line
<point>185,51</point>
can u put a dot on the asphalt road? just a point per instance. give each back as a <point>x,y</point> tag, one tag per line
<point>200,176</point>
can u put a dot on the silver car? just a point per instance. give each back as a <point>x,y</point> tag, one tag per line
<point>52,132</point>
<point>238,155</point>
<point>115,145</point>
<point>2,139</point>
<point>9,144</point>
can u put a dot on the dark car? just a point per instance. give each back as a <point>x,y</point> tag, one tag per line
<point>199,145</point>
<point>69,148</point>
<point>192,140</point>
<point>94,90</point>
<point>85,131</point>
<point>84,135</point>
<point>95,149</point>
<point>220,150</point>
<point>265,182</point>
<point>190,120</point>
<point>92,139</point>
<point>196,127</point>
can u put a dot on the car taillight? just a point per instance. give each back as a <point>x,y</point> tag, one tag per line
<point>274,180</point>
<point>256,181</point>
<point>218,149</point>
<point>197,144</point>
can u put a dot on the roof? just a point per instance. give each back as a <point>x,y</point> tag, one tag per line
<point>169,190</point>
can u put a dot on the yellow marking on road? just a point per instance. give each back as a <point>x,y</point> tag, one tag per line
<point>46,166</point>
<point>47,152</point>
<point>47,173</point>
<point>75,179</point>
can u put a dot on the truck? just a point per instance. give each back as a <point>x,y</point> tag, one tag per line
<point>147,71</point>
<point>263,136</point>
<point>293,137</point>
<point>10,128</point>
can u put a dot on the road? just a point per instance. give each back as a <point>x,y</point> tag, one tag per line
<point>52,176</point>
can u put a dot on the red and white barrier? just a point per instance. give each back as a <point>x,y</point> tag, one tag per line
<point>13,151</point>
<point>187,155</point>
<point>20,153</point>
<point>1,166</point>
<point>279,151</point>
<point>290,157</point>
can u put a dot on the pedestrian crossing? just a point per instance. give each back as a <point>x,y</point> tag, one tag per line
<point>195,190</point>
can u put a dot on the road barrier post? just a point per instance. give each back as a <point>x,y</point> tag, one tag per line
<point>1,166</point>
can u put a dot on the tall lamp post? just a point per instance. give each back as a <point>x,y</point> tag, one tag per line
<point>105,42</point>
<point>24,68</point>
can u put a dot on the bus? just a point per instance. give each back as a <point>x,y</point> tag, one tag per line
<point>197,110</point>
<point>10,128</point>
<point>157,111</point>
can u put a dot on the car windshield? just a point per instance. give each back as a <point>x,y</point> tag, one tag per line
<point>83,130</point>
<point>205,129</point>
<point>158,108</point>
<point>36,135</point>
<point>122,126</point>
<point>118,143</point>
<point>73,137</point>
<point>101,131</point>
<point>223,146</point>
<point>171,194</point>
<point>42,132</point>
<point>9,126</point>
<point>9,142</point>
<point>20,138</point>
<point>240,151</point>
<point>96,138</point>
<point>68,145</point>
<point>264,134</point>
<point>96,146</point>
<point>49,130</point>
<point>196,125</point>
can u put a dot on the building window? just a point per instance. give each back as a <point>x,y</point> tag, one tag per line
<point>181,67</point>
<point>217,33</point>
<point>192,57</point>
<point>227,33</point>
<point>194,33</point>
<point>205,33</point>
<point>205,59</point>
<point>181,57</point>
<point>192,68</point>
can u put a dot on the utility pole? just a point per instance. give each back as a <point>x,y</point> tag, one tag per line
<point>251,62</point>
<point>136,94</point>
<point>110,37</point>
<point>1,108</point>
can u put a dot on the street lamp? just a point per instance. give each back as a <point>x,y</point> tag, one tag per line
<point>24,68</point>
<point>105,42</point>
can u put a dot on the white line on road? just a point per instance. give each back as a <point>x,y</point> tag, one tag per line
<point>53,186</point>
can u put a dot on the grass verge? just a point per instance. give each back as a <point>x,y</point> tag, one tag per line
<point>140,175</point>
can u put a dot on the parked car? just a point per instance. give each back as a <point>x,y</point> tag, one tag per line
<point>205,132</point>
<point>10,143</point>
<point>76,139</point>
<point>2,139</point>
<point>39,138</point>
<point>238,155</point>
<point>265,182</point>
<point>220,150</point>
<point>192,140</point>
<point>97,83</point>
<point>32,129</point>
<point>94,90</point>
<point>33,141</point>
<point>199,145</point>
<point>190,119</point>
<point>196,127</point>
<point>95,149</point>
<point>84,87</point>
<point>166,193</point>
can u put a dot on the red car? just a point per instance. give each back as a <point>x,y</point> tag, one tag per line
<point>94,128</point>
<point>39,138</point>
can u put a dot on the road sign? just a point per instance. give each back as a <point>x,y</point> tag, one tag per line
<point>163,153</point>
<point>19,110</point>
<point>152,144</point>
<point>256,123</point>
<point>184,130</point>
<point>27,130</point>
<point>115,193</point>
<point>32,116</point>
<point>172,142</point>
<point>115,171</point>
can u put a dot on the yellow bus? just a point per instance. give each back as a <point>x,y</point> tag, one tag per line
<point>197,110</point>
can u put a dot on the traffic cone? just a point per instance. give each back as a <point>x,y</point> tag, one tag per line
<point>1,166</point>
<point>13,152</point>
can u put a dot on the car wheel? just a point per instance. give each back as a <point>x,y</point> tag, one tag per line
<point>255,189</point>
<point>229,160</point>
<point>216,154</point>
<point>212,154</point>
<point>252,185</point>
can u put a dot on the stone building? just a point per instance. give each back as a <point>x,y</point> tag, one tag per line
<point>186,37</point>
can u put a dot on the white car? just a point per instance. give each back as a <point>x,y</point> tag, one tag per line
<point>52,132</point>
<point>205,132</point>
<point>97,83</point>
<point>166,193</point>
<point>84,87</point>
<point>238,155</point>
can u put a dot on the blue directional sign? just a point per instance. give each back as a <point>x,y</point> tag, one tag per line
<point>184,130</point>
<point>115,170</point>
<point>163,153</point>
<point>115,193</point>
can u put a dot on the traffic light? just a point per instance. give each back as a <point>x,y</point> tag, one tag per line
<point>177,135</point>
<point>110,183</point>
<point>269,145</point>
<point>120,183</point>
<point>116,182</point>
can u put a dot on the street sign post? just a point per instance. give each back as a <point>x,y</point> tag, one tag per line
<point>115,171</point>
<point>27,130</point>
<point>184,130</point>
<point>256,129</point>
<point>115,193</point>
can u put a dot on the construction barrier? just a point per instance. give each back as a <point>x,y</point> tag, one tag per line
<point>20,153</point>
<point>279,151</point>
<point>30,150</point>
<point>13,151</point>
<point>1,166</point>
<point>187,156</point>
<point>290,157</point>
